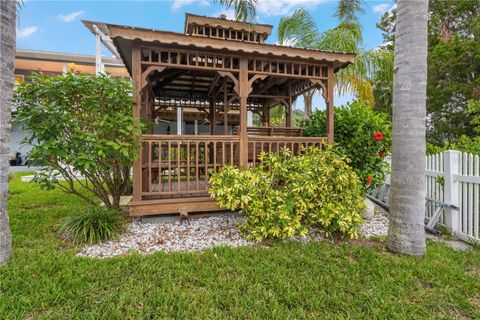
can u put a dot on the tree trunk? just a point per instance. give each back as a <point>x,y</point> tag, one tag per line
<point>7,56</point>
<point>406,233</point>
<point>308,100</point>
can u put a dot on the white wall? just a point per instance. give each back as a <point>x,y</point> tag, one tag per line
<point>16,137</point>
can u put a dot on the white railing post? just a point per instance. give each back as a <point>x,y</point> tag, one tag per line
<point>451,166</point>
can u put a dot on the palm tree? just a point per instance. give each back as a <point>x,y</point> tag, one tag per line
<point>301,30</point>
<point>8,17</point>
<point>406,232</point>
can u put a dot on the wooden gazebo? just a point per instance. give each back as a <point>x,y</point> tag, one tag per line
<point>214,76</point>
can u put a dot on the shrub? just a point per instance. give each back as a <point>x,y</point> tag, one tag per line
<point>464,144</point>
<point>361,135</point>
<point>80,124</point>
<point>96,224</point>
<point>285,194</point>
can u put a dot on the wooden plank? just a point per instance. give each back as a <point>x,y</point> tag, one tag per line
<point>170,206</point>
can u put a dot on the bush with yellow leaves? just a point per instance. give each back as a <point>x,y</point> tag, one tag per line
<point>286,194</point>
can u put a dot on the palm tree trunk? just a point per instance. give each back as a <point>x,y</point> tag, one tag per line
<point>7,56</point>
<point>406,232</point>
<point>308,101</point>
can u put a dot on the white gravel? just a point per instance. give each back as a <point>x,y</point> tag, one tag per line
<point>376,227</point>
<point>196,235</point>
<point>188,235</point>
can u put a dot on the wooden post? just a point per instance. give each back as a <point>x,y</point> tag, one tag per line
<point>137,165</point>
<point>244,86</point>
<point>213,115</point>
<point>330,104</point>
<point>264,114</point>
<point>179,120</point>
<point>268,114</point>
<point>98,52</point>
<point>225,107</point>
<point>288,107</point>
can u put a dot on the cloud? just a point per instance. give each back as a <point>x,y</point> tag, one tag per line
<point>381,8</point>
<point>285,7</point>
<point>180,3</point>
<point>70,16</point>
<point>27,31</point>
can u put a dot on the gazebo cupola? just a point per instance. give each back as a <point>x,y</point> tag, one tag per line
<point>222,28</point>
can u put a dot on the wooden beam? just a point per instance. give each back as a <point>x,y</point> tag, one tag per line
<point>289,107</point>
<point>137,96</point>
<point>225,107</point>
<point>214,83</point>
<point>270,83</point>
<point>243,93</point>
<point>330,105</point>
<point>267,96</point>
<point>169,78</point>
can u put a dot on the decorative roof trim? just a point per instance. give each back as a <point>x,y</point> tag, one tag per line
<point>227,24</point>
<point>173,38</point>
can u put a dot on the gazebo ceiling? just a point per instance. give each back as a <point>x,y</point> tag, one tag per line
<point>197,84</point>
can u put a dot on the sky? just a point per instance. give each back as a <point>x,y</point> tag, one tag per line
<point>56,25</point>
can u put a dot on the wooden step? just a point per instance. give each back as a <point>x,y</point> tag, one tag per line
<point>172,206</point>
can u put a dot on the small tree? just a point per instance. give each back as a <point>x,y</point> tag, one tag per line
<point>80,124</point>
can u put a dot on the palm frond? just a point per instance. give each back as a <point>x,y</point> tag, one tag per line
<point>369,66</point>
<point>347,10</point>
<point>245,10</point>
<point>348,83</point>
<point>343,38</point>
<point>299,30</point>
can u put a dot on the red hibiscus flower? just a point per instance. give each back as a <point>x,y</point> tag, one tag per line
<point>378,136</point>
<point>370,180</point>
<point>381,154</point>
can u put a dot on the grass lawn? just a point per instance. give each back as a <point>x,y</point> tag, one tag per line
<point>45,280</point>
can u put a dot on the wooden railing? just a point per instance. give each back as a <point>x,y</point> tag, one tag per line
<point>180,165</point>
<point>259,144</point>
<point>272,131</point>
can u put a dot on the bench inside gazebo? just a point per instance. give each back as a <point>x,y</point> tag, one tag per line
<point>198,92</point>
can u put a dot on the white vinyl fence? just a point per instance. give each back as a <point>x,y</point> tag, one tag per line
<point>453,177</point>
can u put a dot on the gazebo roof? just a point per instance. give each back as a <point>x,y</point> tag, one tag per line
<point>124,37</point>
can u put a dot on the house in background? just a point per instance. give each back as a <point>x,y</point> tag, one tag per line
<point>51,63</point>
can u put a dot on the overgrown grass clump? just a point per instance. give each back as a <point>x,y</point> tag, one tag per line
<point>94,224</point>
